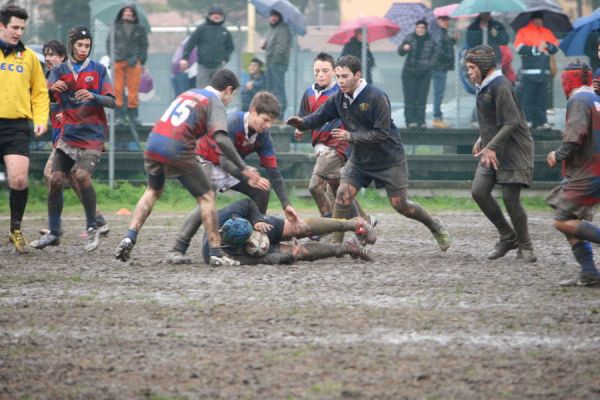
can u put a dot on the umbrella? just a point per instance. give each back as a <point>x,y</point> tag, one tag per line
<point>446,11</point>
<point>106,11</point>
<point>573,44</point>
<point>479,6</point>
<point>407,14</point>
<point>554,17</point>
<point>377,28</point>
<point>291,15</point>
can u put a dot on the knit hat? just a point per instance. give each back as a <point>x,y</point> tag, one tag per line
<point>77,33</point>
<point>484,57</point>
<point>575,75</point>
<point>216,10</point>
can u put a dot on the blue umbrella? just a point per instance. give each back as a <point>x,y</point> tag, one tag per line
<point>573,44</point>
<point>405,15</point>
<point>479,6</point>
<point>290,13</point>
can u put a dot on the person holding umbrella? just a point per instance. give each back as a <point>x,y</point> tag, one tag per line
<point>420,51</point>
<point>535,43</point>
<point>485,30</point>
<point>277,45</point>
<point>354,48</point>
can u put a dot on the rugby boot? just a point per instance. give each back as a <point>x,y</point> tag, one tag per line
<point>123,250</point>
<point>102,225</point>
<point>441,235</point>
<point>526,255</point>
<point>365,232</point>
<point>93,239</point>
<point>502,247</point>
<point>177,257</point>
<point>18,240</point>
<point>357,250</point>
<point>223,261</point>
<point>48,239</point>
<point>583,279</point>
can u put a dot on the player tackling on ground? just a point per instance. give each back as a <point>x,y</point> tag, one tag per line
<point>377,153</point>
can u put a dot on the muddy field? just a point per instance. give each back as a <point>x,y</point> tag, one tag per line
<point>414,324</point>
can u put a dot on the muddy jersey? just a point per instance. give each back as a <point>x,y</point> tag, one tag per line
<point>245,143</point>
<point>496,107</point>
<point>311,101</point>
<point>84,123</point>
<point>192,115</point>
<point>582,168</point>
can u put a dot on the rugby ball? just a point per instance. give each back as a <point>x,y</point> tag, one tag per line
<point>257,244</point>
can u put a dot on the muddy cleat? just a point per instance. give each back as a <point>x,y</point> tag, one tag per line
<point>502,247</point>
<point>48,239</point>
<point>177,257</point>
<point>102,225</point>
<point>442,236</point>
<point>18,240</point>
<point>223,261</point>
<point>583,279</point>
<point>526,255</point>
<point>365,233</point>
<point>124,249</point>
<point>93,239</point>
<point>357,250</point>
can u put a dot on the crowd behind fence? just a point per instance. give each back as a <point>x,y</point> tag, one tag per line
<point>432,155</point>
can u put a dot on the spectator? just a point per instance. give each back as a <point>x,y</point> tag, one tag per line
<point>591,48</point>
<point>23,113</point>
<point>444,62</point>
<point>182,80</point>
<point>535,43</point>
<point>420,50</point>
<point>485,30</point>
<point>255,84</point>
<point>130,55</point>
<point>506,64</point>
<point>213,44</point>
<point>277,44</point>
<point>354,48</point>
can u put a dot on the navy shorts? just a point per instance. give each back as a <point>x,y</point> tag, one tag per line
<point>15,137</point>
<point>394,179</point>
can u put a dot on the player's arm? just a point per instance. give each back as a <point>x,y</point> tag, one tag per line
<point>327,112</point>
<point>107,101</point>
<point>278,184</point>
<point>228,149</point>
<point>507,116</point>
<point>577,128</point>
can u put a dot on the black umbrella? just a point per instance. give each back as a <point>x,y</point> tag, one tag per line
<point>555,18</point>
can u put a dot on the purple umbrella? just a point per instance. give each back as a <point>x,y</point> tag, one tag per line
<point>405,15</point>
<point>179,55</point>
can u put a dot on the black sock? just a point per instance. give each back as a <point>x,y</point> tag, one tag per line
<point>18,202</point>
<point>588,231</point>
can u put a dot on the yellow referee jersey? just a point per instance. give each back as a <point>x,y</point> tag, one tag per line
<point>23,90</point>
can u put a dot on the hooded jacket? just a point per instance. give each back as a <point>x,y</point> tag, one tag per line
<point>279,42</point>
<point>131,46</point>
<point>419,57</point>
<point>213,43</point>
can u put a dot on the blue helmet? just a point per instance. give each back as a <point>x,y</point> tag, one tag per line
<point>235,231</point>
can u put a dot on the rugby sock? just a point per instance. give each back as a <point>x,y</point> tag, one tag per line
<point>585,257</point>
<point>215,252</point>
<point>319,226</point>
<point>340,211</point>
<point>191,224</point>
<point>359,210</point>
<point>18,201</point>
<point>317,251</point>
<point>132,234</point>
<point>88,199</point>
<point>588,231</point>
<point>55,207</point>
<point>181,245</point>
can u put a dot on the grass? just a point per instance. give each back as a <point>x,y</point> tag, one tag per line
<point>176,198</point>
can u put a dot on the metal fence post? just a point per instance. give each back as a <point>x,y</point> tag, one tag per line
<point>111,129</point>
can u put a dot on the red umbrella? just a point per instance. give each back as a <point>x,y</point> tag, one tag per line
<point>377,28</point>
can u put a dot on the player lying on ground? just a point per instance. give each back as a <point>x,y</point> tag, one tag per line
<point>280,229</point>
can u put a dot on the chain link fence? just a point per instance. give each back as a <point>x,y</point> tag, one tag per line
<point>434,154</point>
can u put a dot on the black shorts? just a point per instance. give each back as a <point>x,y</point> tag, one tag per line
<point>15,137</point>
<point>394,179</point>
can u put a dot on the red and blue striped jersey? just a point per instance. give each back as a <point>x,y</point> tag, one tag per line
<point>260,143</point>
<point>311,101</point>
<point>56,124</point>
<point>84,123</point>
<point>194,114</point>
<point>582,168</point>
